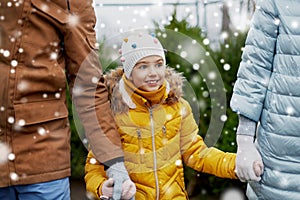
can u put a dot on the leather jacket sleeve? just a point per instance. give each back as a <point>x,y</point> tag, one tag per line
<point>86,82</point>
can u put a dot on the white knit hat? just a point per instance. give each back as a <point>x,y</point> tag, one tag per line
<point>136,47</point>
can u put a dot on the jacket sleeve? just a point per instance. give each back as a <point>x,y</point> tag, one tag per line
<point>197,155</point>
<point>86,82</point>
<point>256,65</point>
<point>94,175</point>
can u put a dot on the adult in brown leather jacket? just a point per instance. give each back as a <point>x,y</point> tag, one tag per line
<point>43,46</point>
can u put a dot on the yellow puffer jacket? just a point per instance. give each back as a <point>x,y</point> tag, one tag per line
<point>156,140</point>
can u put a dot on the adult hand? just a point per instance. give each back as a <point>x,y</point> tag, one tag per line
<point>107,188</point>
<point>119,174</point>
<point>249,165</point>
<point>128,190</point>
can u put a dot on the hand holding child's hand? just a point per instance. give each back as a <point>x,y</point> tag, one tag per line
<point>107,188</point>
<point>249,165</point>
<point>128,189</point>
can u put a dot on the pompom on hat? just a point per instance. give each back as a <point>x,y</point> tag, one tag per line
<point>136,47</point>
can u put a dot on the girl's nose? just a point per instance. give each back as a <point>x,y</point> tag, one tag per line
<point>152,70</point>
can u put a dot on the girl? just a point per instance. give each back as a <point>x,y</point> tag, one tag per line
<point>156,126</point>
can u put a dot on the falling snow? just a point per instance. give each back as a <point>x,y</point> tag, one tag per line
<point>11,120</point>
<point>41,131</point>
<point>232,194</point>
<point>183,54</point>
<point>21,122</point>
<point>11,156</point>
<point>95,80</point>
<point>53,56</point>
<point>143,13</point>
<point>169,117</point>
<point>205,94</point>
<point>14,176</point>
<point>21,50</point>
<point>4,152</point>
<point>206,41</point>
<point>6,53</point>
<point>226,67</point>
<point>196,66</point>
<point>93,161</point>
<point>212,75</point>
<point>14,63</point>
<point>289,110</point>
<point>22,86</point>
<point>57,95</point>
<point>223,118</point>
<point>178,163</point>
<point>73,20</point>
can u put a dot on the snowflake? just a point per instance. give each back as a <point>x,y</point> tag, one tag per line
<point>14,176</point>
<point>56,114</point>
<point>169,116</point>
<point>183,111</point>
<point>73,20</point>
<point>290,110</point>
<point>231,194</point>
<point>276,21</point>
<point>93,161</point>
<point>95,80</point>
<point>212,75</point>
<point>4,152</point>
<point>14,63</point>
<point>77,90</point>
<point>41,131</point>
<point>11,120</point>
<point>178,163</point>
<point>196,66</point>
<point>226,67</point>
<point>6,53</point>
<point>205,94</point>
<point>22,86</point>
<point>224,35</point>
<point>206,41</point>
<point>57,95</point>
<point>223,118</point>
<point>21,122</point>
<point>295,24</point>
<point>183,54</point>
<point>53,56</point>
<point>11,156</point>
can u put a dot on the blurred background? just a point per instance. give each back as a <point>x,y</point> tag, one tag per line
<point>219,28</point>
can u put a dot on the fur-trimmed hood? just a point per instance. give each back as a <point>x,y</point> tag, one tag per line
<point>174,79</point>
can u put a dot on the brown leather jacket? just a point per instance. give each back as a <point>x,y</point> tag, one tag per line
<point>44,45</point>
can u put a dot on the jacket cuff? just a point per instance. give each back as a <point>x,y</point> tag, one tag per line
<point>245,106</point>
<point>111,162</point>
<point>246,126</point>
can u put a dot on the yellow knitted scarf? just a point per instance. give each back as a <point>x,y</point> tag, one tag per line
<point>141,96</point>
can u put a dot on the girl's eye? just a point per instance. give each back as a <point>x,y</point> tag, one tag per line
<point>143,66</point>
<point>159,65</point>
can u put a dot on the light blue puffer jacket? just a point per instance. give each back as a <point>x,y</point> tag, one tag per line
<point>268,91</point>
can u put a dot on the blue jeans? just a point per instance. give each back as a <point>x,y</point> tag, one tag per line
<point>52,190</point>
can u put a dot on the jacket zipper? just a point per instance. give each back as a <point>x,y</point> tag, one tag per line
<point>141,148</point>
<point>164,142</point>
<point>154,153</point>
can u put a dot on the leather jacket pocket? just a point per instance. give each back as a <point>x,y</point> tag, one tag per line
<point>52,9</point>
<point>40,116</point>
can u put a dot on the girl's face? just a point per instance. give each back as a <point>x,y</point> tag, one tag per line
<point>149,73</point>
